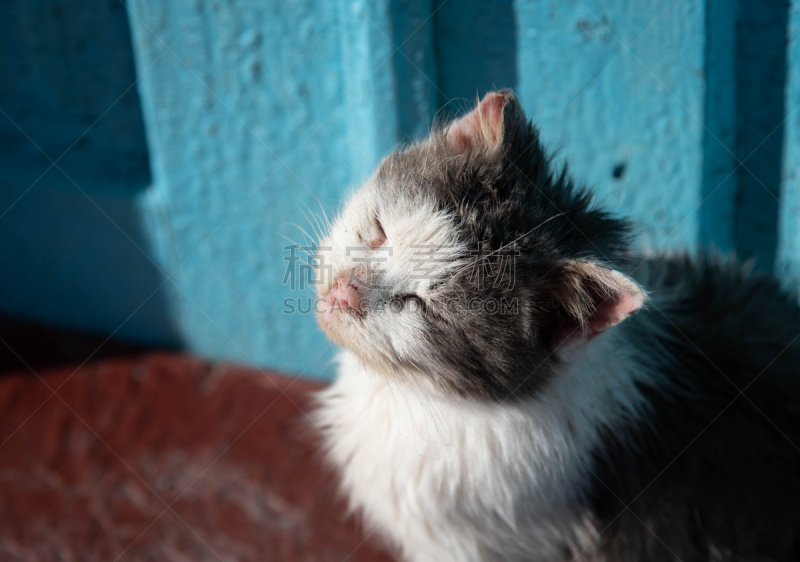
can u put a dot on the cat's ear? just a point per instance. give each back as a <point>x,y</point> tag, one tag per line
<point>487,126</point>
<point>592,298</point>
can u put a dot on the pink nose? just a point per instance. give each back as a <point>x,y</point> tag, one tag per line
<point>343,295</point>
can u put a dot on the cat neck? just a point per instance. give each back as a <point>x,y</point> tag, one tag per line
<point>593,384</point>
<point>552,434</point>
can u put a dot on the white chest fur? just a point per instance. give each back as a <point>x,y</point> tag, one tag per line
<point>447,479</point>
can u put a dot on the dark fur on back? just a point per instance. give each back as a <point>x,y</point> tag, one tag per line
<point>714,473</point>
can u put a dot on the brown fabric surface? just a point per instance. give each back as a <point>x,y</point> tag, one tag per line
<point>92,477</point>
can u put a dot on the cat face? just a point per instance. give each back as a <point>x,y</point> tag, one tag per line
<point>466,262</point>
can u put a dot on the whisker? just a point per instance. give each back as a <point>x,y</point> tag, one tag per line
<point>313,225</point>
<point>503,247</point>
<point>305,233</point>
<point>301,247</point>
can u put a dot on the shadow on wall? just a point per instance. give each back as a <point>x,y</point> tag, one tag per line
<point>71,230</point>
<point>760,88</point>
<point>743,138</point>
<point>464,62</point>
<point>475,59</point>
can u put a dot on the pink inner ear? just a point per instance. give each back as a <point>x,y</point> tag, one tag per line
<point>608,314</point>
<point>492,108</point>
<point>613,311</point>
<point>484,125</point>
<point>459,135</point>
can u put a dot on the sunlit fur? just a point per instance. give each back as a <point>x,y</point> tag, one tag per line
<point>461,480</point>
<point>565,430</point>
<point>390,337</point>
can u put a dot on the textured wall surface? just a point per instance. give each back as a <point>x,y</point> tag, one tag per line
<point>788,258</point>
<point>627,109</point>
<point>70,230</point>
<point>246,123</point>
<point>218,127</point>
<point>761,106</point>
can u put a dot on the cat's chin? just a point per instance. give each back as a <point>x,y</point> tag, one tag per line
<point>379,365</point>
<point>328,319</point>
<point>337,327</point>
<point>331,325</point>
<point>331,320</point>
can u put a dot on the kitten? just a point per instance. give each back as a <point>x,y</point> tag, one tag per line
<point>498,398</point>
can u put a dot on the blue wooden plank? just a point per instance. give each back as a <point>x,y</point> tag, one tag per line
<point>719,187</point>
<point>619,89</point>
<point>388,75</point>
<point>415,65</point>
<point>476,47</point>
<point>788,254</point>
<point>67,84</point>
<point>65,263</point>
<point>64,65</point>
<point>243,141</point>
<point>761,105</point>
<point>369,117</point>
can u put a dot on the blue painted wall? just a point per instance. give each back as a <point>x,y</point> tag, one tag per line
<point>788,254</point>
<point>70,230</point>
<point>193,139</point>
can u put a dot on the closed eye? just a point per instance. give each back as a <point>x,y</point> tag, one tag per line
<point>412,300</point>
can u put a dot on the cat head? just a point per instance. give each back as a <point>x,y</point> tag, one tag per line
<point>466,260</point>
